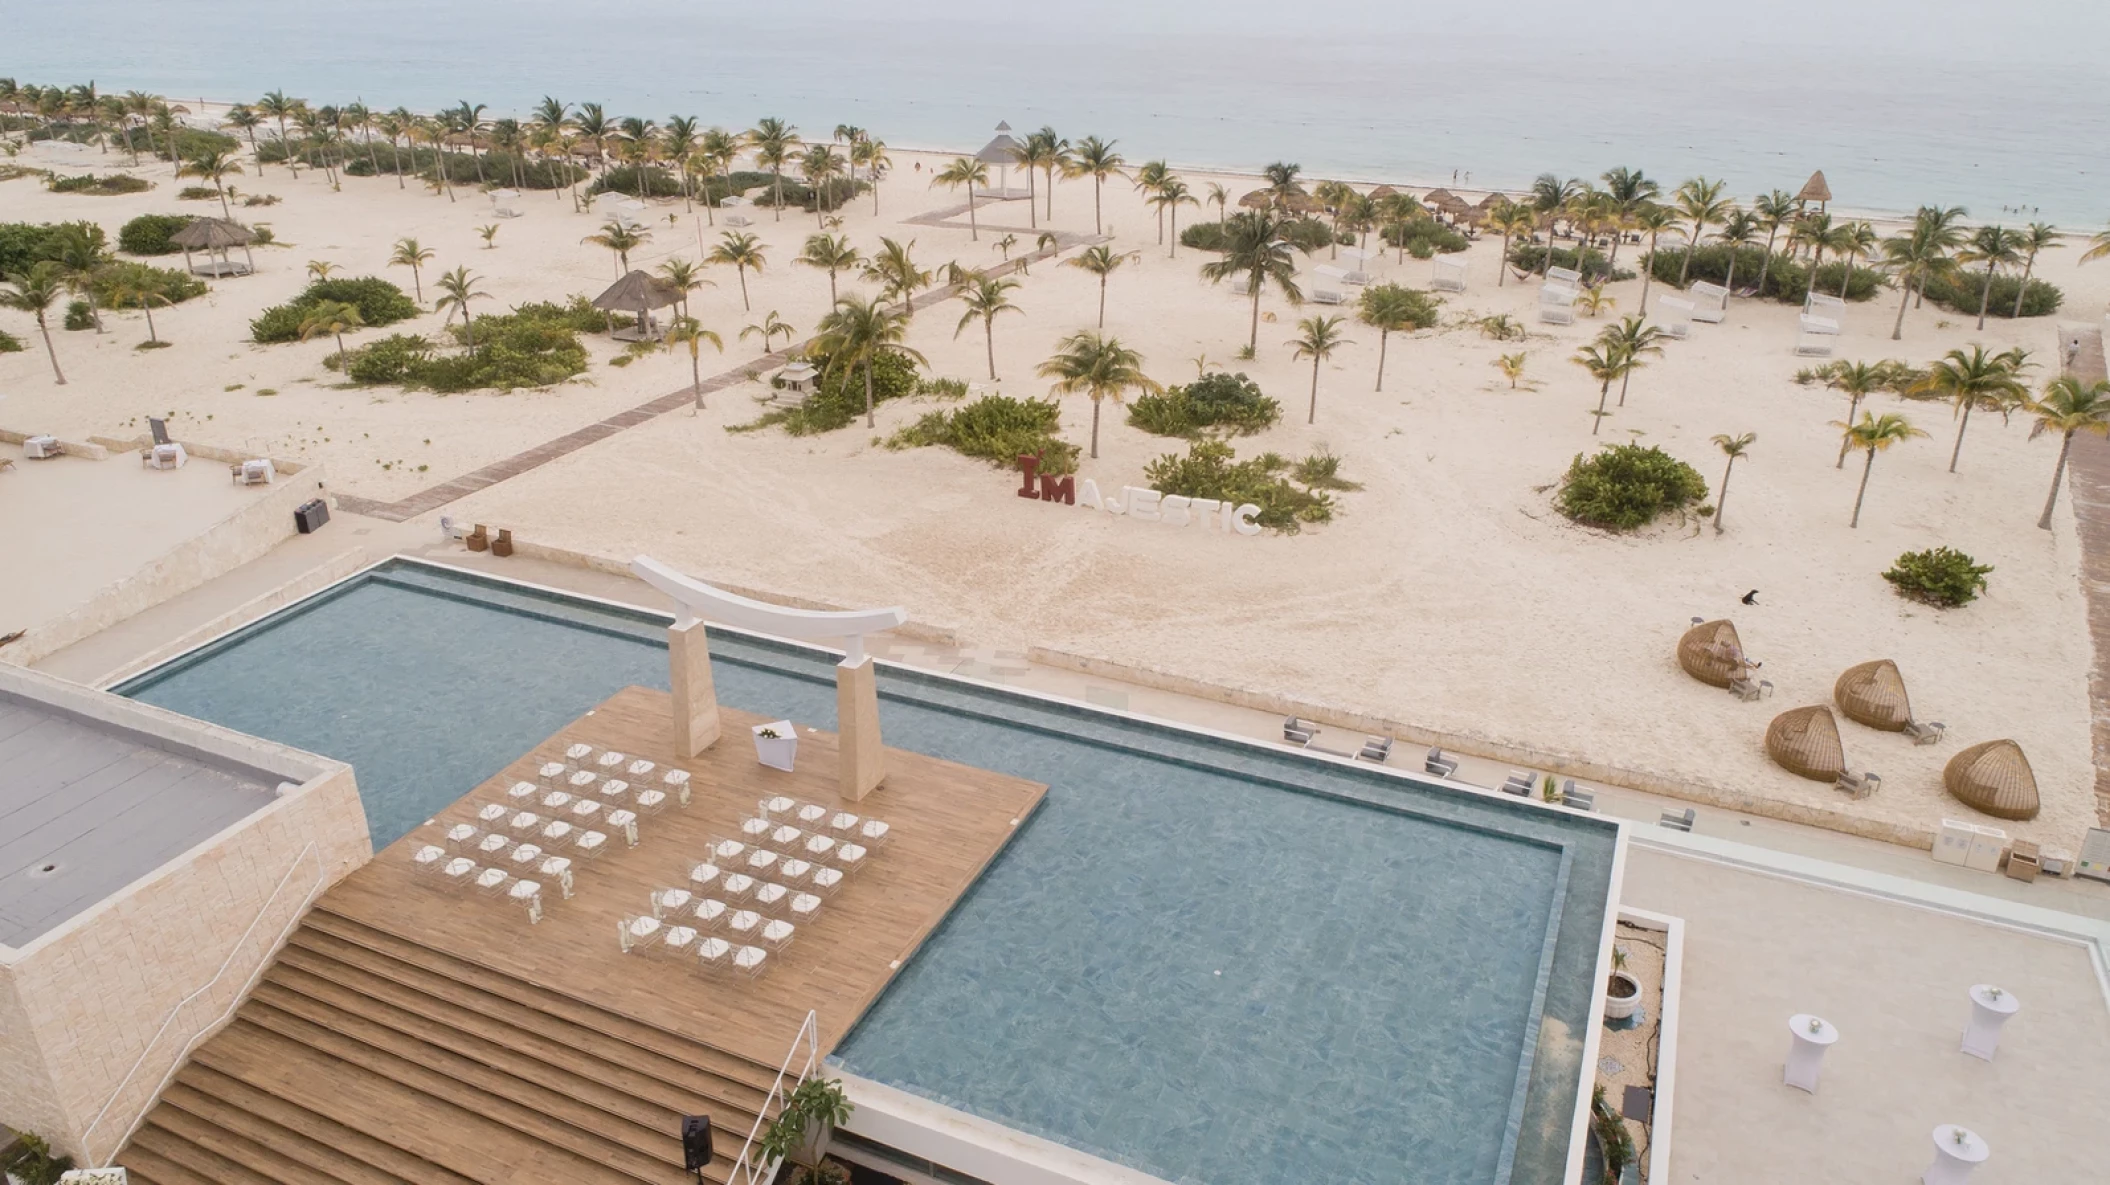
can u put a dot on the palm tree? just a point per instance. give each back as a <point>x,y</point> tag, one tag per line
<point>1168,199</point>
<point>1219,197</point>
<point>1874,435</point>
<point>830,253</point>
<point>2069,406</point>
<point>677,140</point>
<point>771,326</point>
<point>690,332</point>
<point>1740,229</point>
<point>1511,366</point>
<point>1638,340</point>
<point>773,141</point>
<point>81,260</point>
<point>2098,247</point>
<point>1510,220</point>
<point>1653,220</point>
<point>1995,247</point>
<point>1035,152</point>
<point>1054,156</point>
<point>856,333</point>
<point>969,172</point>
<point>32,293</point>
<point>1549,196</point>
<point>1094,158</point>
<point>1100,367</point>
<point>1605,360</point>
<point>593,124</point>
<point>743,251</point>
<point>1974,380</point>
<point>1255,250</point>
<point>1101,261</point>
<point>872,155</point>
<point>1858,380</point>
<point>1627,191</point>
<point>984,298</point>
<point>334,317</point>
<point>243,118</point>
<point>1317,340</point>
<point>1282,184</point>
<point>1774,210</point>
<point>2041,236</point>
<point>277,106</point>
<point>457,289</point>
<point>129,288</point>
<point>684,277</point>
<point>1701,204</point>
<point>621,240</point>
<point>490,235</point>
<point>897,273</point>
<point>409,254</point>
<point>392,125</point>
<point>1150,177</point>
<point>320,269</point>
<point>820,165</point>
<point>1915,257</point>
<point>1856,240</point>
<point>1390,309</point>
<point>1732,447</point>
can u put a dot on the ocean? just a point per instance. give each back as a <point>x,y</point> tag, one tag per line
<point>1900,102</point>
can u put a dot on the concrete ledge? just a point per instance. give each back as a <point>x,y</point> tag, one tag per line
<point>970,1144</point>
<point>1548,761</point>
<point>1673,931</point>
<point>73,448</point>
<point>313,580</point>
<point>208,452</point>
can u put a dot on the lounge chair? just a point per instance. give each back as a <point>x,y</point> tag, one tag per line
<point>1577,797</point>
<point>1925,733</point>
<point>1557,303</point>
<point>1564,275</point>
<point>1319,295</point>
<point>1674,316</point>
<point>1377,749</point>
<point>1519,783</point>
<point>1815,336</point>
<point>1436,763</point>
<point>1447,273</point>
<point>1298,731</point>
<point>1859,786</point>
<point>1710,302</point>
<point>1242,285</point>
<point>1678,820</point>
<point>1749,690</point>
<point>738,220</point>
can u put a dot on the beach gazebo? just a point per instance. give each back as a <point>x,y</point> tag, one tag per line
<point>1805,742</point>
<point>637,293</point>
<point>1443,201</point>
<point>1873,693</point>
<point>215,235</point>
<point>1001,152</point>
<point>1712,653</point>
<point>1815,190</point>
<point>1993,777</point>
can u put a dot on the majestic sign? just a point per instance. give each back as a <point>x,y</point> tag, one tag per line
<point>1172,510</point>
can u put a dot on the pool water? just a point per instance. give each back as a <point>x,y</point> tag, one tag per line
<point>1210,961</point>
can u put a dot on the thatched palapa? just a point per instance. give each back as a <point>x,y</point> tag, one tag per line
<point>1443,201</point>
<point>214,236</point>
<point>1805,742</point>
<point>1815,189</point>
<point>639,293</point>
<point>1712,653</point>
<point>1873,693</point>
<point>1993,777</point>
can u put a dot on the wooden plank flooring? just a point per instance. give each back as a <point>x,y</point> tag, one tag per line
<point>948,821</point>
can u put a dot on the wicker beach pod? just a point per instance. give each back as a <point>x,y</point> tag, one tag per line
<point>1873,693</point>
<point>1712,653</point>
<point>1993,777</point>
<point>1805,742</point>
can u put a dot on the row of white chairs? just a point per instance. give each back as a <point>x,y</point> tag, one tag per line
<point>783,811</point>
<point>693,907</point>
<point>644,934</point>
<point>505,876</point>
<point>813,860</point>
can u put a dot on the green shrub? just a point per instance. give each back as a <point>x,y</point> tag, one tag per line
<point>1961,292</point>
<point>577,315</point>
<point>110,186</point>
<point>1211,469</point>
<point>1940,576</point>
<point>1203,236</point>
<point>512,350</point>
<point>1895,376</point>
<point>1424,237</point>
<point>623,179</point>
<point>1787,280</point>
<point>391,361</point>
<point>499,168</point>
<point>79,315</point>
<point>30,1161</point>
<point>841,190</point>
<point>718,188</point>
<point>1232,402</point>
<point>840,397</point>
<point>1310,235</point>
<point>25,244</point>
<point>997,429</point>
<point>1626,486</point>
<point>197,193</point>
<point>942,388</point>
<point>190,142</point>
<point>1595,266</point>
<point>378,301</point>
<point>167,283</point>
<point>9,343</point>
<point>149,234</point>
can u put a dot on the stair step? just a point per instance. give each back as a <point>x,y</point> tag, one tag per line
<point>203,1161</point>
<point>251,1155</point>
<point>322,925</point>
<point>520,1027</point>
<point>529,1108</point>
<point>183,1103</point>
<point>240,1103</point>
<point>150,1168</point>
<point>460,1139</point>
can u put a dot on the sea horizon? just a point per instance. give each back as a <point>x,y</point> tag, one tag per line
<point>1414,97</point>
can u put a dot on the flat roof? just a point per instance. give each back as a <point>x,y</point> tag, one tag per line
<point>88,807</point>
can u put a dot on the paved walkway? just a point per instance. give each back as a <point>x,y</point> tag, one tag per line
<point>2088,483</point>
<point>434,497</point>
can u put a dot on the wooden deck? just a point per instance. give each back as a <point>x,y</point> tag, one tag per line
<point>948,821</point>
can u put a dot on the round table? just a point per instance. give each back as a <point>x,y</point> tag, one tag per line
<point>1957,1151</point>
<point>1990,1009</point>
<point>1812,1036</point>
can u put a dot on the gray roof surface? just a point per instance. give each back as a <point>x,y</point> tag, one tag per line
<point>99,806</point>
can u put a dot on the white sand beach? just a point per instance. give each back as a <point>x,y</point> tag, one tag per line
<point>1447,593</point>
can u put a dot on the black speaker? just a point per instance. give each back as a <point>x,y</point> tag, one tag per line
<point>695,1142</point>
<point>311,515</point>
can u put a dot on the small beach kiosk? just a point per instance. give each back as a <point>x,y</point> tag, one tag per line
<point>1001,153</point>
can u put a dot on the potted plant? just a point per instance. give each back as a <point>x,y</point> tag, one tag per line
<point>776,745</point>
<point>1622,993</point>
<point>1615,1145</point>
<point>29,1160</point>
<point>802,1129</point>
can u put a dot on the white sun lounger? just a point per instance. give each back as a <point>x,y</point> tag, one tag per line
<point>1710,302</point>
<point>1557,303</point>
<point>1674,316</point>
<point>1447,273</point>
<point>1564,275</point>
<point>1319,295</point>
<point>1815,336</point>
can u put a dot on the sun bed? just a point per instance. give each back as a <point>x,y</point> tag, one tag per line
<point>506,203</point>
<point>1710,302</point>
<point>1861,785</point>
<point>1564,275</point>
<point>1831,308</point>
<point>1678,820</point>
<point>1815,336</point>
<point>1674,316</point>
<point>1327,295</point>
<point>1577,797</point>
<point>1557,302</point>
<point>1298,731</point>
<point>1377,749</point>
<point>1436,763</point>
<point>1447,273</point>
<point>1519,783</point>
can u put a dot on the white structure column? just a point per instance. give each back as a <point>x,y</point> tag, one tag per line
<point>695,696</point>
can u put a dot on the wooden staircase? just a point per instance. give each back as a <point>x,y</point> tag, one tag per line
<point>363,1058</point>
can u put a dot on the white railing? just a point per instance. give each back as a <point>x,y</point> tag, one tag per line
<point>88,1136</point>
<point>746,1170</point>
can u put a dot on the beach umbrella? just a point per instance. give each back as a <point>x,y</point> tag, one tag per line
<point>640,293</point>
<point>1443,201</point>
<point>213,234</point>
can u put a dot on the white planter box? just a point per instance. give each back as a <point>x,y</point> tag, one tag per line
<point>1616,1008</point>
<point>779,751</point>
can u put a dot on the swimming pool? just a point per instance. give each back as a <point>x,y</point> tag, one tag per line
<point>1211,961</point>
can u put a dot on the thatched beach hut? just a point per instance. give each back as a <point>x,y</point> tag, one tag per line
<point>215,235</point>
<point>1448,204</point>
<point>1815,190</point>
<point>638,293</point>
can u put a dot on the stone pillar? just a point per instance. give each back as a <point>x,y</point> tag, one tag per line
<point>857,728</point>
<point>695,698</point>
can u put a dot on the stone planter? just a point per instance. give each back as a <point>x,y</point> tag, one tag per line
<point>1622,996</point>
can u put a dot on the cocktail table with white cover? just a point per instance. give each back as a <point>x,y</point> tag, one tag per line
<point>1990,1009</point>
<point>1812,1036</point>
<point>1957,1151</point>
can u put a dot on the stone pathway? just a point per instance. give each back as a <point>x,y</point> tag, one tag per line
<point>434,497</point>
<point>2088,484</point>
